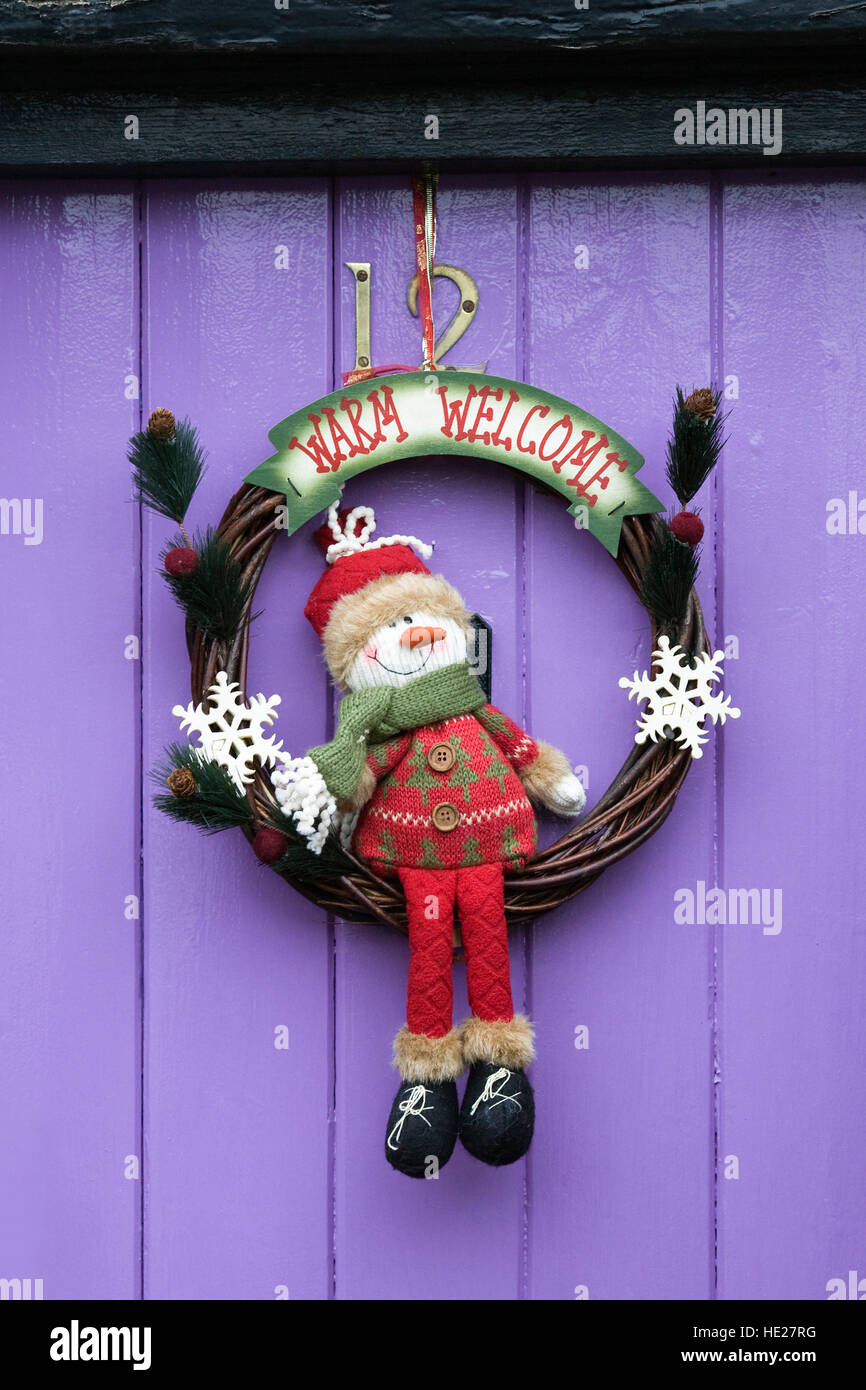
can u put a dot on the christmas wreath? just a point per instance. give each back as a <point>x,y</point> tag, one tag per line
<point>420,808</point>
<point>213,577</point>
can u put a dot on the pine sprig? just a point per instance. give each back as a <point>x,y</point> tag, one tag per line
<point>299,861</point>
<point>216,803</point>
<point>167,470</point>
<point>695,443</point>
<point>670,576</point>
<point>215,597</point>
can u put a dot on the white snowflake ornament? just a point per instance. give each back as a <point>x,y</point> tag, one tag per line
<point>231,730</point>
<point>680,696</point>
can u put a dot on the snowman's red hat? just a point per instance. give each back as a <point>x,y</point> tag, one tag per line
<point>370,583</point>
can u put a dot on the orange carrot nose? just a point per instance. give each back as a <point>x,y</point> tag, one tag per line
<point>414,637</point>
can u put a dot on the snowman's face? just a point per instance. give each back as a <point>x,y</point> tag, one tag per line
<point>413,645</point>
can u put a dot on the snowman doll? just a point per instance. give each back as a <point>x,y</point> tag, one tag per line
<point>438,784</point>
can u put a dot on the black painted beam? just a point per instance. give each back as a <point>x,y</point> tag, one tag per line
<point>296,129</point>
<point>214,87</point>
<point>298,25</point>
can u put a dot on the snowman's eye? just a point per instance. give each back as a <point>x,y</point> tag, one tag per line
<point>407,617</point>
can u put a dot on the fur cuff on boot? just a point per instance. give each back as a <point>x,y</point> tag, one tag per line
<point>507,1042</point>
<point>419,1058</point>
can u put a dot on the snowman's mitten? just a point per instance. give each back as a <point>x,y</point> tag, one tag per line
<point>303,795</point>
<point>568,797</point>
<point>549,780</point>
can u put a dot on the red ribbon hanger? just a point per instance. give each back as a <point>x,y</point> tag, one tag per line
<point>424,215</point>
<point>424,209</point>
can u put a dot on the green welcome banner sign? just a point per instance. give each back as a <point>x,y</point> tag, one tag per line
<point>402,416</point>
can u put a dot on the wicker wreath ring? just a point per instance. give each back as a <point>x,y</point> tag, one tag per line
<point>635,805</point>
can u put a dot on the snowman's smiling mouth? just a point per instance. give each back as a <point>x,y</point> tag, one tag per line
<point>397,672</point>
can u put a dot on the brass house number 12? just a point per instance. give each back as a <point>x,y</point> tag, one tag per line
<point>460,320</point>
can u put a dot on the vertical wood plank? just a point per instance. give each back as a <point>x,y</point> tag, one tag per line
<point>70,844</point>
<point>457,1237</point>
<point>792,1081</point>
<point>621,1169</point>
<point>237,1129</point>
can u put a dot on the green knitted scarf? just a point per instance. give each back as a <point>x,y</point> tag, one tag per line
<point>368,717</point>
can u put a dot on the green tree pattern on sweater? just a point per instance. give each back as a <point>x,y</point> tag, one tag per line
<point>511,846</point>
<point>429,857</point>
<point>382,753</point>
<point>494,720</point>
<point>463,774</point>
<point>387,848</point>
<point>471,852</point>
<point>497,769</point>
<point>420,772</point>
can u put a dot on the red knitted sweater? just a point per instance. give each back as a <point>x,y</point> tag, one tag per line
<point>454,808</point>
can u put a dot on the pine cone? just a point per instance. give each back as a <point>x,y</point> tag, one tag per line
<point>161,425</point>
<point>701,403</point>
<point>182,784</point>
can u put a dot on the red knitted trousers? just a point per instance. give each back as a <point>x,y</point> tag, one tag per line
<point>479,894</point>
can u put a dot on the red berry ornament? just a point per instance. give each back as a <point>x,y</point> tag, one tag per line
<point>269,845</point>
<point>180,561</point>
<point>688,527</point>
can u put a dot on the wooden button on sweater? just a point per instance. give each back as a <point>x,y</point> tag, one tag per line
<point>441,757</point>
<point>446,816</point>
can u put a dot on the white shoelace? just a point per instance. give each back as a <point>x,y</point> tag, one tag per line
<point>412,1105</point>
<point>347,543</point>
<point>490,1093</point>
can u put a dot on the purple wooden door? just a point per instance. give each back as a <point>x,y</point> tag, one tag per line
<point>700,1085</point>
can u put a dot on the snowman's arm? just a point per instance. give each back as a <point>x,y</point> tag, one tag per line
<point>382,758</point>
<point>544,771</point>
<point>510,739</point>
<point>550,781</point>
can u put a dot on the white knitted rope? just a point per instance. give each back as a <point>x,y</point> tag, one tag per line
<point>301,791</point>
<point>345,541</point>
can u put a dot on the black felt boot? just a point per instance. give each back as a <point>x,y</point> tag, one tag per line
<point>498,1113</point>
<point>422,1127</point>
